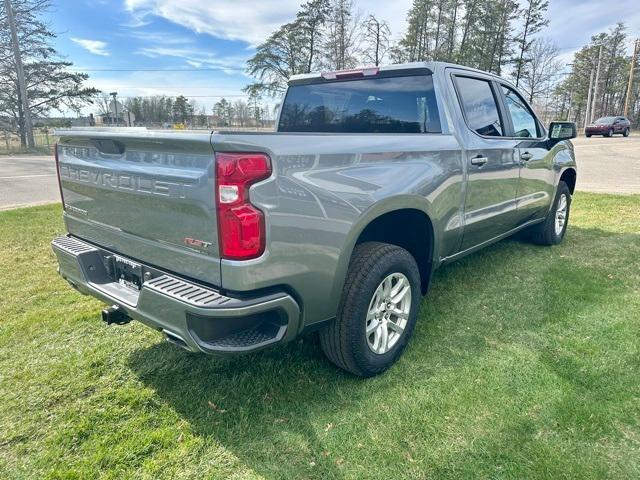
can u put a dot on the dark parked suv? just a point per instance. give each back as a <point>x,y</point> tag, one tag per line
<point>607,126</point>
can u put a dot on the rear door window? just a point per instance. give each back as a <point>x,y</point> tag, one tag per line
<point>480,106</point>
<point>399,104</point>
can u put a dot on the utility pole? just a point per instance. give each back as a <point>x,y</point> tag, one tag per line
<point>22,85</point>
<point>629,85</point>
<point>570,94</point>
<point>595,86</point>
<point>587,113</point>
<point>115,106</point>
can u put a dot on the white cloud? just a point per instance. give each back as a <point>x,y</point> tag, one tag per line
<point>97,47</point>
<point>251,21</point>
<point>198,58</point>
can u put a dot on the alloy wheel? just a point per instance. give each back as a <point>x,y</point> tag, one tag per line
<point>388,313</point>
<point>561,214</point>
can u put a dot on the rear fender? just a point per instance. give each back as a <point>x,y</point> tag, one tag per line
<point>399,202</point>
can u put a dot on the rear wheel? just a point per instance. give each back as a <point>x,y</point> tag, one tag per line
<point>377,312</point>
<point>553,229</point>
<point>625,133</point>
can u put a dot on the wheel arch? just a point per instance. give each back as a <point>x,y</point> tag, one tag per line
<point>569,176</point>
<point>402,221</point>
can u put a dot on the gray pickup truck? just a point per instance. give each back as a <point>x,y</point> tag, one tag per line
<point>231,242</point>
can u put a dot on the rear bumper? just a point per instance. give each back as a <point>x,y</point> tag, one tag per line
<point>197,317</point>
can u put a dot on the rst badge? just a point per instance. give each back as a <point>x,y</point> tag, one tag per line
<point>195,243</point>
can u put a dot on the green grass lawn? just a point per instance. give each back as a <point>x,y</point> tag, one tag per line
<point>525,364</point>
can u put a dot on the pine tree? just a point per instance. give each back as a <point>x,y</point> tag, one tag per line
<point>51,84</point>
<point>534,20</point>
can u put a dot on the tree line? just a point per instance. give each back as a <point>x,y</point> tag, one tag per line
<point>608,85</point>
<point>504,37</point>
<point>157,110</point>
<point>334,35</point>
<point>501,36</point>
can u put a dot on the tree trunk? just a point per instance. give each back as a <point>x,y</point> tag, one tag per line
<point>523,45</point>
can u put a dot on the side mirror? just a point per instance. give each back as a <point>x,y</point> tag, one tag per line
<point>562,131</point>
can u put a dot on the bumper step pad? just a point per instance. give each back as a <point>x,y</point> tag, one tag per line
<point>186,292</point>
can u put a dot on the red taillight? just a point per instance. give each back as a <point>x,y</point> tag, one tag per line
<point>241,228</point>
<point>55,149</point>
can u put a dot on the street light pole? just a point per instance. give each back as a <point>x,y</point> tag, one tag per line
<point>587,113</point>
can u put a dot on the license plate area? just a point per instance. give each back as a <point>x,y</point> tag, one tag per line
<point>126,272</point>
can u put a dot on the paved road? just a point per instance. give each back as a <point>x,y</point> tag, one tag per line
<point>609,165</point>
<point>27,180</point>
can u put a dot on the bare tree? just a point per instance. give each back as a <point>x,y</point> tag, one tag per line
<point>343,36</point>
<point>241,113</point>
<point>376,34</point>
<point>542,68</point>
<point>103,103</point>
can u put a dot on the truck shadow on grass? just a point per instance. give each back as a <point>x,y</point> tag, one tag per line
<point>288,412</point>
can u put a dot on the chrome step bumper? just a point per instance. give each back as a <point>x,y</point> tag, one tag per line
<point>197,317</point>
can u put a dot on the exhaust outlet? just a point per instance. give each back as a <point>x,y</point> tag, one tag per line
<point>175,339</point>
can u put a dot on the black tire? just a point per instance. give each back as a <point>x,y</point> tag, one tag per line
<point>609,133</point>
<point>344,341</point>
<point>588,135</point>
<point>545,233</point>
<point>625,133</point>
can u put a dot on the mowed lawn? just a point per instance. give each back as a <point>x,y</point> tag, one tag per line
<point>525,364</point>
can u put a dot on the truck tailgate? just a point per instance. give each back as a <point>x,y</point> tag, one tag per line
<point>144,194</point>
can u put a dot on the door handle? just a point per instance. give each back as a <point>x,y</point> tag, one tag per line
<point>479,160</point>
<point>526,156</point>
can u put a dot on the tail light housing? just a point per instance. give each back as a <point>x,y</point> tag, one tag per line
<point>241,226</point>
<point>55,150</point>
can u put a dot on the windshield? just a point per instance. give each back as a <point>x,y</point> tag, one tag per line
<point>605,120</point>
<point>400,104</point>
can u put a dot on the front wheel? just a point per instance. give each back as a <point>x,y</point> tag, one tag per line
<point>609,133</point>
<point>377,312</point>
<point>625,133</point>
<point>554,227</point>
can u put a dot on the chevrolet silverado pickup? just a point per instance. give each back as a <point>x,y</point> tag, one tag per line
<point>230,242</point>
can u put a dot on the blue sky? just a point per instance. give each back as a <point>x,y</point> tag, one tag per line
<point>219,35</point>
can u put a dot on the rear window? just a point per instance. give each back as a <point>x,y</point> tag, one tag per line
<point>372,105</point>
